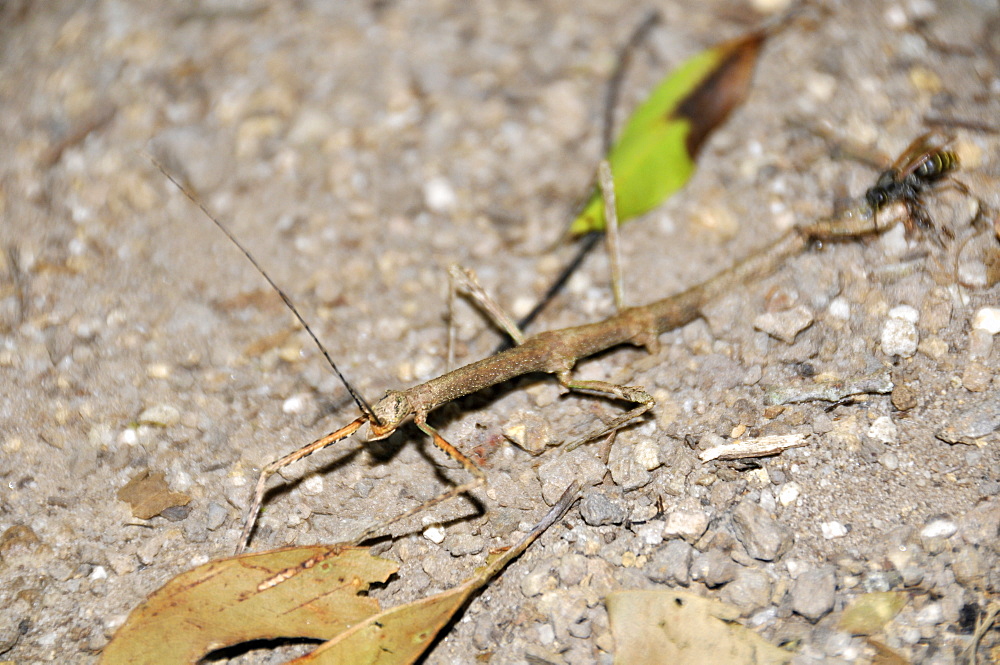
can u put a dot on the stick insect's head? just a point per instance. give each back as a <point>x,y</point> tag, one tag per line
<point>391,411</point>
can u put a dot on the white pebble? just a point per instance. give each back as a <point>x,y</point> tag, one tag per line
<point>434,533</point>
<point>904,312</point>
<point>884,430</point>
<point>939,529</point>
<point>988,319</point>
<point>840,309</point>
<point>313,485</point>
<point>646,454</point>
<point>899,337</point>
<point>161,415</point>
<point>99,573</point>
<point>833,530</point>
<point>294,404</point>
<point>930,614</point>
<point>181,481</point>
<point>789,493</point>
<point>439,195</point>
<point>686,524</point>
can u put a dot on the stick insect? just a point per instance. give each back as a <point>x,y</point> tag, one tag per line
<point>554,352</point>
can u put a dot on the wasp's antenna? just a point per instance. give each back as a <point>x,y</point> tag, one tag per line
<point>355,395</point>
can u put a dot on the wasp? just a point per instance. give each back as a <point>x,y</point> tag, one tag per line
<point>923,164</point>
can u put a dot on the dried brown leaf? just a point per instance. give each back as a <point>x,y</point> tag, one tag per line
<point>653,627</point>
<point>149,495</point>
<point>219,604</point>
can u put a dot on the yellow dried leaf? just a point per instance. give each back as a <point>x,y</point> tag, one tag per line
<point>653,627</point>
<point>219,604</point>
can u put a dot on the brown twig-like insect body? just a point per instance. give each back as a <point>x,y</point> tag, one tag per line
<point>556,352</point>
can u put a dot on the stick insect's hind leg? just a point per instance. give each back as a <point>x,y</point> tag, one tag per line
<point>463,280</point>
<point>291,458</point>
<point>478,480</point>
<point>643,401</point>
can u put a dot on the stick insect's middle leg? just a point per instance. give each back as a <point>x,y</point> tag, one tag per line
<point>478,479</point>
<point>643,401</point>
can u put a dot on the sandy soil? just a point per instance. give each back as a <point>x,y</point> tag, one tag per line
<point>358,149</point>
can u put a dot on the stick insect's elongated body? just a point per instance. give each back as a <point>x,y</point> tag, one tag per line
<point>556,352</point>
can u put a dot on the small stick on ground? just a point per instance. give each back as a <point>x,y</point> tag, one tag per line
<point>607,183</point>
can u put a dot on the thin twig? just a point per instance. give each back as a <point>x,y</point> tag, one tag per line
<point>607,183</point>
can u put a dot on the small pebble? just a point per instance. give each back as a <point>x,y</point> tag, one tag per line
<point>988,319</point>
<point>833,529</point>
<point>975,377</point>
<point>646,454</point>
<point>439,195</point>
<point>899,337</point>
<point>840,308</point>
<point>671,563</point>
<point>216,516</point>
<point>160,415</point>
<point>789,493</point>
<point>313,485</point>
<point>686,524</point>
<point>972,423</point>
<point>784,325</point>
<point>884,430</point>
<point>970,567</point>
<point>434,533</point>
<point>814,592</point>
<point>750,591</point>
<point>889,461</point>
<point>980,344</point>
<point>940,528</point>
<point>294,405</point>
<point>930,614</point>
<point>934,348</point>
<point>904,397</point>
<point>761,535</point>
<point>597,509</point>
<point>530,432</point>
<point>714,568</point>
<point>628,471</point>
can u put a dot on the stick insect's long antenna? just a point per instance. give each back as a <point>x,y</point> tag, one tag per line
<point>355,395</point>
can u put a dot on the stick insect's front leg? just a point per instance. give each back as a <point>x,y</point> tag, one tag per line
<point>478,479</point>
<point>291,458</point>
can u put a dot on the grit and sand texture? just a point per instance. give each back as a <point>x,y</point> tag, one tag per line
<point>358,149</point>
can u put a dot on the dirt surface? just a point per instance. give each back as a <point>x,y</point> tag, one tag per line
<point>358,149</point>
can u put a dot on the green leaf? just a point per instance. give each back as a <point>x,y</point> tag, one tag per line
<point>655,154</point>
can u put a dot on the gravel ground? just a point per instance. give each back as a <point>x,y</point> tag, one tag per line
<point>359,149</point>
